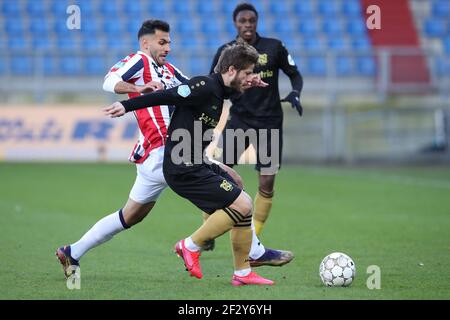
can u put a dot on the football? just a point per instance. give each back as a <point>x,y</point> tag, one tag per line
<point>337,270</point>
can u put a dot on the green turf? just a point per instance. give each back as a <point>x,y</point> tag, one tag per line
<point>396,218</point>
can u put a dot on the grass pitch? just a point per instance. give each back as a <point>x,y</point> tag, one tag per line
<point>395,218</point>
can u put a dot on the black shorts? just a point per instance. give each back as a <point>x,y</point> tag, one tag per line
<point>208,187</point>
<point>268,144</point>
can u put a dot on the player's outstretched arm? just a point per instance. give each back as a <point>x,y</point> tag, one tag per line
<point>114,110</point>
<point>178,96</point>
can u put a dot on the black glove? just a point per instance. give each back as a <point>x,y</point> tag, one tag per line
<point>294,99</point>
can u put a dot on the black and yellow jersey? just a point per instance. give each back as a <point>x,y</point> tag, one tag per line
<point>198,105</point>
<point>260,107</point>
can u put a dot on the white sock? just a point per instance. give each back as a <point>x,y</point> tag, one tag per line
<point>243,272</point>
<point>190,245</point>
<point>257,249</point>
<point>100,232</point>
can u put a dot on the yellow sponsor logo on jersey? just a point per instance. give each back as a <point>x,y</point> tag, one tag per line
<point>225,185</point>
<point>209,121</point>
<point>266,74</point>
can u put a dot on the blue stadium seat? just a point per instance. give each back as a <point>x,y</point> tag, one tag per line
<point>304,8</point>
<point>213,43</point>
<point>187,43</point>
<point>67,43</point>
<point>88,8</point>
<point>328,8</point>
<point>133,9</point>
<point>58,8</point>
<point>441,8</point>
<point>14,27</point>
<point>158,9</point>
<point>199,66</point>
<point>95,65</point>
<point>333,27</point>
<point>351,8</point>
<point>338,44</point>
<point>284,27</point>
<point>2,67</point>
<point>22,65</point>
<point>50,65</point>
<point>442,66</point>
<point>60,27</point>
<point>92,44</point>
<point>435,28</point>
<point>132,26</point>
<point>356,27</point>
<point>117,43</point>
<point>41,43</point>
<point>313,44</point>
<point>446,42</point>
<point>263,27</point>
<point>70,65</point>
<point>18,43</point>
<point>361,44</point>
<point>365,66</point>
<point>316,66</point>
<point>113,29</point>
<point>230,29</point>
<point>291,43</point>
<point>344,66</point>
<point>210,28</point>
<point>36,8</point>
<point>205,8</point>
<point>309,27</point>
<point>280,8</point>
<point>186,28</point>
<point>110,8</point>
<point>228,8</point>
<point>11,8</point>
<point>182,8</point>
<point>39,27</point>
<point>90,27</point>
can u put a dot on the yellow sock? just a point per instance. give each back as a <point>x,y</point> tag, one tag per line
<point>217,224</point>
<point>263,204</point>
<point>241,240</point>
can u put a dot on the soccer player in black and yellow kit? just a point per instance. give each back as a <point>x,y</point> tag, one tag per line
<point>198,107</point>
<point>260,108</point>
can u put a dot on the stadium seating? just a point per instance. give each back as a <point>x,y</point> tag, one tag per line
<point>309,28</point>
<point>434,28</point>
<point>2,67</point>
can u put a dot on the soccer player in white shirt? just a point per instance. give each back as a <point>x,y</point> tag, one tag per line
<point>138,73</point>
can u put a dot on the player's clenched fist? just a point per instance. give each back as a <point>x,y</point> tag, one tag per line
<point>115,110</point>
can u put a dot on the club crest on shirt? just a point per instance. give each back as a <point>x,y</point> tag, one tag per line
<point>119,64</point>
<point>262,59</point>
<point>184,90</point>
<point>225,185</point>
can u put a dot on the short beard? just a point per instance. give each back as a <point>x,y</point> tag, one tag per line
<point>235,85</point>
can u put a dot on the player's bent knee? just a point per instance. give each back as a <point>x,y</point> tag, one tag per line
<point>134,212</point>
<point>243,204</point>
